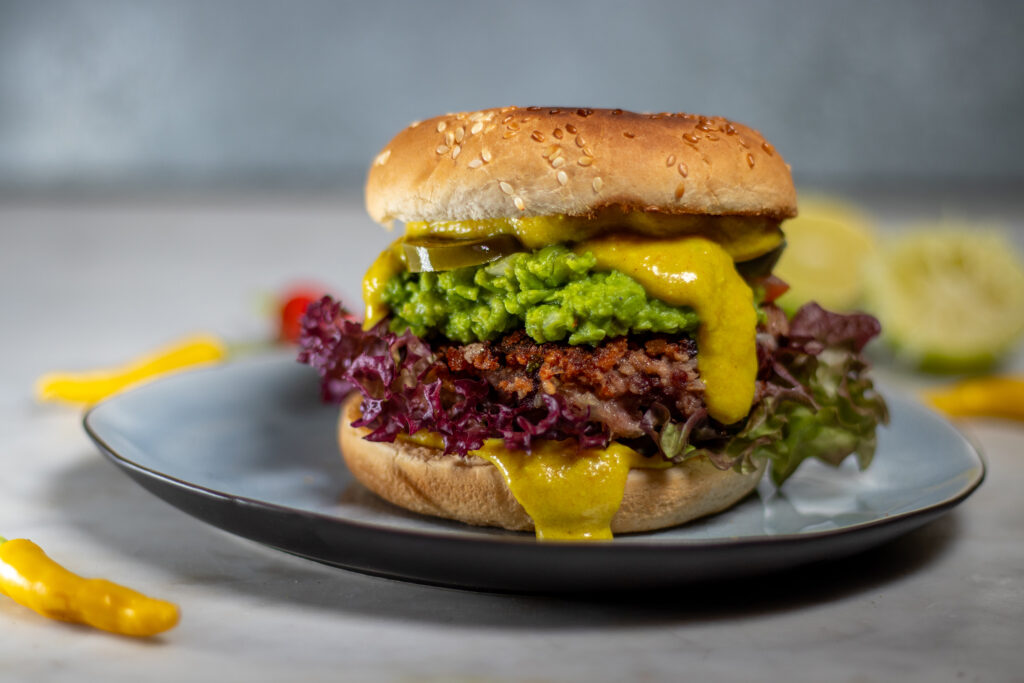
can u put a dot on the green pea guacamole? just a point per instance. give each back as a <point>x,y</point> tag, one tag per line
<point>553,293</point>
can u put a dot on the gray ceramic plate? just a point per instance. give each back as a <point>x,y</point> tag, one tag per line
<point>249,448</point>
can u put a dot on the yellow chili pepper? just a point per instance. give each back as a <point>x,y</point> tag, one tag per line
<point>90,387</point>
<point>989,396</point>
<point>29,577</point>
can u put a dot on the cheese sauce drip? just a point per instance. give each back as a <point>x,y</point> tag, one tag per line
<point>696,272</point>
<point>570,495</point>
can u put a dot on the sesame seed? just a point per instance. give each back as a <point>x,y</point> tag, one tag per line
<point>680,189</point>
<point>712,137</point>
<point>513,125</point>
<point>489,128</point>
<point>729,129</point>
<point>743,143</point>
<point>584,112</point>
<point>558,162</point>
<point>767,147</point>
<point>683,171</point>
<point>383,157</point>
<point>415,123</point>
<point>597,184</point>
<point>554,111</point>
<point>589,152</point>
<point>508,134</point>
<point>671,160</point>
<point>580,142</point>
<point>460,133</point>
<point>508,117</point>
<point>585,161</point>
<point>442,149</point>
<point>557,132</point>
<point>562,177</point>
<point>477,127</point>
<point>449,138</point>
<point>520,204</point>
<point>537,135</point>
<point>476,163</point>
<point>616,112</point>
<point>691,138</point>
<point>505,187</point>
<point>629,135</point>
<point>750,160</point>
<point>441,125</point>
<point>476,116</point>
<point>486,155</point>
<point>571,128</point>
<point>456,150</point>
<point>551,151</point>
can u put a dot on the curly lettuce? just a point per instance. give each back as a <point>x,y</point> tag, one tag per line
<point>818,401</point>
<point>406,387</point>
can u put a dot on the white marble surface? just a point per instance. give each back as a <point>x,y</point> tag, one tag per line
<point>86,283</point>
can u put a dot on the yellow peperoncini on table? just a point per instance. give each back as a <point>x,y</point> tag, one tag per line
<point>90,387</point>
<point>983,397</point>
<point>29,577</point>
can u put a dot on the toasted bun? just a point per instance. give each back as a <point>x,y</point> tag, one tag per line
<point>471,490</point>
<point>542,161</point>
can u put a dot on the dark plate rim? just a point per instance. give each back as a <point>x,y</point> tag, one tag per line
<point>524,541</point>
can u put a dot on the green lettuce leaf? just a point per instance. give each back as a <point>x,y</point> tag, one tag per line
<point>819,402</point>
<point>841,420</point>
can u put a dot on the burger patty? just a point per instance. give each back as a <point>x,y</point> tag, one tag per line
<point>616,382</point>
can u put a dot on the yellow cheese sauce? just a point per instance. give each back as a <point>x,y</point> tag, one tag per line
<point>696,272</point>
<point>743,237</point>
<point>570,495</point>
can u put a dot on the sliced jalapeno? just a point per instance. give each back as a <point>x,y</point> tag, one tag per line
<point>427,254</point>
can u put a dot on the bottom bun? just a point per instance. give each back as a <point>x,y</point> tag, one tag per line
<point>471,490</point>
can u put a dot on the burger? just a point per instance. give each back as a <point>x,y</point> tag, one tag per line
<point>576,334</point>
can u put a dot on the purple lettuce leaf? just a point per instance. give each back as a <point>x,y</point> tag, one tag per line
<point>812,326</point>
<point>407,387</point>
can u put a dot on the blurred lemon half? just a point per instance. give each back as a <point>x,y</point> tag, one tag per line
<point>827,247</point>
<point>949,297</point>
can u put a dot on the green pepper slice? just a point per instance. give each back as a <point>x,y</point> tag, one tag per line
<point>427,254</point>
<point>762,265</point>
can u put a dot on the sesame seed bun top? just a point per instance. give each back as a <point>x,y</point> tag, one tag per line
<point>541,161</point>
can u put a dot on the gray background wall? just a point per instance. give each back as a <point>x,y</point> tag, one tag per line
<point>236,94</point>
